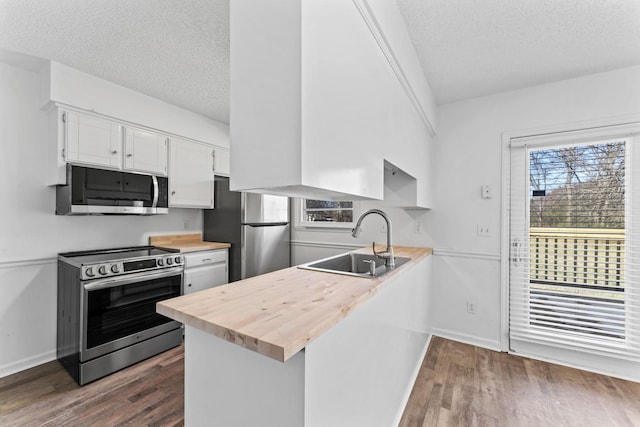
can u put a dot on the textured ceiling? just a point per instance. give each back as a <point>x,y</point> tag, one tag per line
<point>474,48</point>
<point>178,51</point>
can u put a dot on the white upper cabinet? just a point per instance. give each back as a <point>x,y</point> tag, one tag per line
<point>92,140</point>
<point>221,161</point>
<point>145,151</point>
<point>190,174</point>
<point>96,141</point>
<point>322,94</point>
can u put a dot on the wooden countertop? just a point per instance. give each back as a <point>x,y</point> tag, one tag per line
<point>186,243</point>
<point>278,314</point>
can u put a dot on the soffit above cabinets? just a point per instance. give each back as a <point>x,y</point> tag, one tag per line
<point>321,94</point>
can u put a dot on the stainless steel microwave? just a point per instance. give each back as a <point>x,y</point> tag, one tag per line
<point>92,191</point>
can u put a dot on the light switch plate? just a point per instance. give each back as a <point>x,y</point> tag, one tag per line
<point>483,230</point>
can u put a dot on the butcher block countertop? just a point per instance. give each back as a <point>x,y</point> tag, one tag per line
<point>186,243</point>
<point>279,313</point>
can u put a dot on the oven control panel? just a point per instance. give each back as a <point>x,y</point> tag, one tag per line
<point>108,269</point>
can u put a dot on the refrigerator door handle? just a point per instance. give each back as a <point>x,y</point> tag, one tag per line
<point>265,224</point>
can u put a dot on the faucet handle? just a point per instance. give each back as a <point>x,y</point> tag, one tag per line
<point>372,266</point>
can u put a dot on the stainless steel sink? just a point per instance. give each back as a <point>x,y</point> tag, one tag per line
<point>353,264</point>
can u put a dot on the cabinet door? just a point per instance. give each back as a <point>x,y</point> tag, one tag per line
<point>222,161</point>
<point>92,140</point>
<point>190,174</point>
<point>145,151</point>
<point>199,279</point>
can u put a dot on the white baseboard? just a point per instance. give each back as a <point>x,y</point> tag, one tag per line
<point>467,339</point>
<point>30,362</point>
<point>414,375</point>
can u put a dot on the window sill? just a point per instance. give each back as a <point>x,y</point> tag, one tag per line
<point>339,228</point>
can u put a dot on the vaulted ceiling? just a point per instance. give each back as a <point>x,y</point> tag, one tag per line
<point>178,51</point>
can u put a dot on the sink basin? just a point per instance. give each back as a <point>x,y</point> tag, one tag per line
<point>352,264</point>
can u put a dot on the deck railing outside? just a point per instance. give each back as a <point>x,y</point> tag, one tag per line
<point>587,256</point>
<point>577,280</point>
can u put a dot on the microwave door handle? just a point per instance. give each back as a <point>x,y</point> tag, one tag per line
<point>155,191</point>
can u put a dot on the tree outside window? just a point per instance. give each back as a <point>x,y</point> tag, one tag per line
<point>326,211</point>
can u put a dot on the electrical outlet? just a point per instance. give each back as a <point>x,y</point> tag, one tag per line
<point>483,230</point>
<point>487,192</point>
<point>418,228</point>
<point>471,307</point>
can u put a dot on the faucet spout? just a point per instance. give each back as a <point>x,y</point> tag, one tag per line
<point>388,253</point>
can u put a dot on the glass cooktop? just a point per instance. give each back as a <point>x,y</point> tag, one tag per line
<point>85,257</point>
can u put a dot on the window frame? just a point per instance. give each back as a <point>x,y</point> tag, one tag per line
<point>596,354</point>
<point>300,224</point>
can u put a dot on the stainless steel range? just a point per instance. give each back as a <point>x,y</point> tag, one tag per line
<point>107,316</point>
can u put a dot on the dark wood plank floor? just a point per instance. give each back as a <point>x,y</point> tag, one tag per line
<point>149,393</point>
<point>463,385</point>
<point>458,385</point>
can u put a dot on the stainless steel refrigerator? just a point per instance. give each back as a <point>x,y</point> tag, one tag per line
<point>256,225</point>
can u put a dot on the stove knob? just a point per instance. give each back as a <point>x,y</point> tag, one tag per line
<point>89,272</point>
<point>160,262</point>
<point>102,270</point>
<point>169,261</point>
<point>115,268</point>
<point>178,260</point>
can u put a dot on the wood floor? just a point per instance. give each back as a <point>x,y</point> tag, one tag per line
<point>149,393</point>
<point>462,385</point>
<point>458,385</point>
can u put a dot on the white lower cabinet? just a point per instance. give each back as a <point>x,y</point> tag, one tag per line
<point>190,174</point>
<point>205,269</point>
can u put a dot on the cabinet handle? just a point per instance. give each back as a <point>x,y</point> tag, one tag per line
<point>129,155</point>
<point>206,260</point>
<point>173,193</point>
<point>114,152</point>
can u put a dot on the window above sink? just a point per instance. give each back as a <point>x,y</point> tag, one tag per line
<point>323,214</point>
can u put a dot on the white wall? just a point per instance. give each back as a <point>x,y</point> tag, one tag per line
<point>31,234</point>
<point>468,153</point>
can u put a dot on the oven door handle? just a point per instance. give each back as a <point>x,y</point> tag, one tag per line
<point>112,282</point>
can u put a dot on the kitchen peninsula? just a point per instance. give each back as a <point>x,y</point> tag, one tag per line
<point>305,348</point>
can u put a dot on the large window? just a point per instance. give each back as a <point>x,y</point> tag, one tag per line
<point>577,239</point>
<point>326,213</point>
<point>574,239</point>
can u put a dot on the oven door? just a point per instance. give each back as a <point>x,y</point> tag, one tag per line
<point>121,311</point>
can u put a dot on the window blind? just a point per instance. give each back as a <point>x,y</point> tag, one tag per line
<point>574,255</point>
